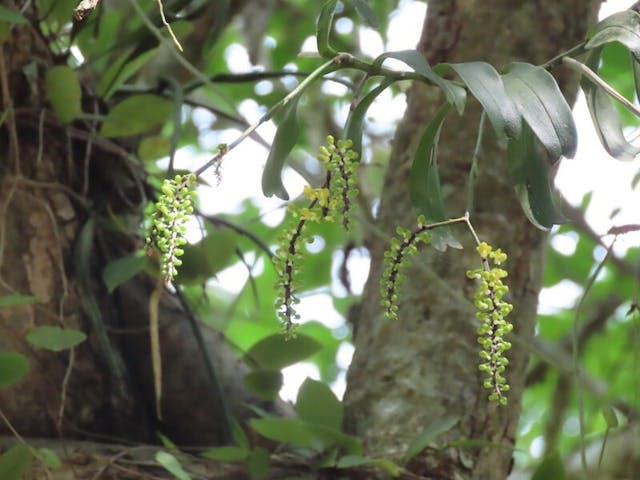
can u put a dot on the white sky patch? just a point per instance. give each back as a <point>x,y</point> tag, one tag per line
<point>318,306</point>
<point>562,295</point>
<point>405,25</point>
<point>565,243</point>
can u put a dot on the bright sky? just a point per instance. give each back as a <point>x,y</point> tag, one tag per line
<point>591,171</point>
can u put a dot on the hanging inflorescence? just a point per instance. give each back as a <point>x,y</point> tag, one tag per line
<point>331,202</point>
<point>492,311</point>
<point>168,223</point>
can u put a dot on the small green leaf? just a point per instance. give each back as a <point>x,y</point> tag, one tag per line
<point>323,29</point>
<point>121,70</point>
<point>231,453</point>
<point>264,383</point>
<point>172,465</point>
<point>541,104</point>
<point>49,457</point>
<point>623,27</point>
<point>12,16</point>
<point>366,13</point>
<point>551,467</point>
<point>486,85</point>
<point>64,92</point>
<point>610,416</point>
<point>283,143</point>
<point>316,403</point>
<point>12,300</point>
<point>135,115</point>
<point>55,338</point>
<point>353,461</point>
<point>424,179</point>
<point>202,260</point>
<point>455,94</point>
<point>258,464</point>
<point>275,351</point>
<point>530,177</point>
<point>429,434</point>
<point>118,271</point>
<point>15,462</point>
<point>353,127</point>
<point>13,367</point>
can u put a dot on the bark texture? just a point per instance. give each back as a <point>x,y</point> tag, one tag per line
<point>415,371</point>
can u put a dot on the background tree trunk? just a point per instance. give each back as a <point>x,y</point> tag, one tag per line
<point>410,373</point>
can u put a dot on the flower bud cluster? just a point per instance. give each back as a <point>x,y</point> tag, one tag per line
<point>403,246</point>
<point>168,223</point>
<point>330,202</point>
<point>492,311</point>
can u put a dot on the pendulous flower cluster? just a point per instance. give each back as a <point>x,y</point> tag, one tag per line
<point>328,203</point>
<point>168,223</point>
<point>396,257</point>
<point>492,311</point>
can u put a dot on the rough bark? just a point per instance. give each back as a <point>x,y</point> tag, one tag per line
<point>410,373</point>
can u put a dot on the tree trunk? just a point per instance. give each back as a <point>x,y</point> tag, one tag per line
<point>410,373</point>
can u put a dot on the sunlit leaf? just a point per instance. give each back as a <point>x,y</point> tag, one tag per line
<point>264,383</point>
<point>429,434</point>
<point>316,403</point>
<point>530,177</point>
<point>55,338</point>
<point>543,107</point>
<point>455,94</point>
<point>15,462</point>
<point>13,368</point>
<point>486,85</point>
<point>323,29</point>
<point>172,465</point>
<point>623,27</point>
<point>64,92</point>
<point>119,271</point>
<point>283,143</point>
<point>275,351</point>
<point>135,115</point>
<point>550,467</point>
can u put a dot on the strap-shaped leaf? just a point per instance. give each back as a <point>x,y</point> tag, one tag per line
<point>486,85</point>
<point>283,143</point>
<point>541,104</point>
<point>606,117</point>
<point>354,124</point>
<point>366,13</point>
<point>323,29</point>
<point>455,94</point>
<point>530,177</point>
<point>623,27</point>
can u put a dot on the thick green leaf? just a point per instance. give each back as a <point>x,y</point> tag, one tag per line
<point>530,177</point>
<point>323,29</point>
<point>317,404</point>
<point>606,117</point>
<point>55,338</point>
<point>226,454</point>
<point>12,300</point>
<point>352,461</point>
<point>49,457</point>
<point>121,70</point>
<point>486,85</point>
<point>541,104</point>
<point>12,16</point>
<point>172,465</point>
<point>135,115</point>
<point>551,467</point>
<point>64,92</point>
<point>455,94</point>
<point>623,27</point>
<point>429,434</point>
<point>258,464</point>
<point>424,179</point>
<point>275,351</point>
<point>610,416</point>
<point>13,367</point>
<point>202,260</point>
<point>366,13</point>
<point>283,143</point>
<point>264,383</point>
<point>15,462</point>
<point>118,271</point>
<point>354,125</point>
<point>303,434</point>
